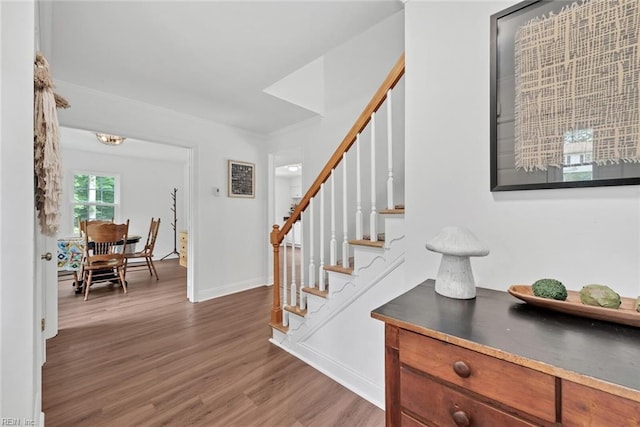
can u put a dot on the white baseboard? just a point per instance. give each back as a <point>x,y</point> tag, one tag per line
<point>338,372</point>
<point>229,289</point>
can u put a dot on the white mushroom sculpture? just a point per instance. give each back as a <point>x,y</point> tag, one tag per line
<point>455,278</point>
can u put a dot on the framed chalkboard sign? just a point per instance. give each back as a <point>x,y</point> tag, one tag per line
<point>565,95</point>
<point>241,179</point>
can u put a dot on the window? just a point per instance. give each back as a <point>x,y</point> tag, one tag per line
<point>94,197</point>
<point>578,155</point>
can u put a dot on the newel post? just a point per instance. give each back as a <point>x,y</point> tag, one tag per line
<point>276,310</point>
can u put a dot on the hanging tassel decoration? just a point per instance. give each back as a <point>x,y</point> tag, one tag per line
<point>47,168</point>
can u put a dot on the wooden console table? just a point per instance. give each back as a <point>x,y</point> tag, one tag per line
<point>496,361</point>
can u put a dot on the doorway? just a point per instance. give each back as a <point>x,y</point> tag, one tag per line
<point>286,188</point>
<point>148,173</point>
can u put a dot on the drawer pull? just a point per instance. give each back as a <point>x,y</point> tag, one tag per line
<point>461,419</point>
<point>462,369</point>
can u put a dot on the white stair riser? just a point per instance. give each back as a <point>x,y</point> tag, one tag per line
<point>315,302</point>
<point>337,281</point>
<point>278,335</point>
<point>295,321</point>
<point>364,256</point>
<point>393,228</point>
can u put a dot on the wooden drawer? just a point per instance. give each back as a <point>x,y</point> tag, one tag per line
<point>184,237</point>
<point>408,421</point>
<point>524,389</point>
<point>585,406</point>
<point>438,404</point>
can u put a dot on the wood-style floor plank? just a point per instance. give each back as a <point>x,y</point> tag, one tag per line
<point>151,358</point>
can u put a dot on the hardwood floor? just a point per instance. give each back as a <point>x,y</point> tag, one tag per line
<point>151,358</point>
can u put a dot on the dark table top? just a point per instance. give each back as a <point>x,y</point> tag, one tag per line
<point>498,324</point>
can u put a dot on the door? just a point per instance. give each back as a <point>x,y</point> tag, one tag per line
<point>46,282</point>
<point>45,299</point>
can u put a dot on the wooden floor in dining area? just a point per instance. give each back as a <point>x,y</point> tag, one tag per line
<point>151,358</point>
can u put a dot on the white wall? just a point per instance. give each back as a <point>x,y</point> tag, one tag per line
<point>586,235</point>
<point>226,239</point>
<point>353,72</point>
<point>145,190</point>
<point>19,375</point>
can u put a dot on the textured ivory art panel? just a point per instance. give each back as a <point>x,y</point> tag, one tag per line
<point>578,69</point>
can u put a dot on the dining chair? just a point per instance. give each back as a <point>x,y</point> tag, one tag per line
<point>82,223</point>
<point>147,251</point>
<point>104,253</point>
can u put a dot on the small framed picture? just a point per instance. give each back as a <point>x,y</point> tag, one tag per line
<point>241,179</point>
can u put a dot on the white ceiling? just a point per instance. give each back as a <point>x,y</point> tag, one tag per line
<point>209,59</point>
<point>78,139</point>
<point>287,172</point>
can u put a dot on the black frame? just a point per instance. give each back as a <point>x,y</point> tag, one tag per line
<point>241,179</point>
<point>629,173</point>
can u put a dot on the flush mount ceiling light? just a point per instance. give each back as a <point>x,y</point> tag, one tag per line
<point>293,168</point>
<point>107,139</point>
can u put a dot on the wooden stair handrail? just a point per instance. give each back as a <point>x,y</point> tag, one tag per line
<point>278,234</point>
<point>378,98</point>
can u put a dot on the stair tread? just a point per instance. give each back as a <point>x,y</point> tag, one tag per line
<point>278,326</point>
<point>365,242</point>
<point>338,269</point>
<point>295,310</point>
<point>396,211</point>
<point>317,292</point>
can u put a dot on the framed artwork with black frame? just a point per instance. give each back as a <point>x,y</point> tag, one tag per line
<point>241,179</point>
<point>565,95</point>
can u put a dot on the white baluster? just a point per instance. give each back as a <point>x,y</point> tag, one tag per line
<point>302,301</point>
<point>285,314</point>
<point>312,267</point>
<point>345,238</point>
<point>321,266</point>
<point>373,217</point>
<point>294,293</point>
<point>333,243</point>
<point>390,204</point>
<point>358,192</point>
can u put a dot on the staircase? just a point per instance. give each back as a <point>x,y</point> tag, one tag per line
<point>350,255</point>
<point>372,262</point>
